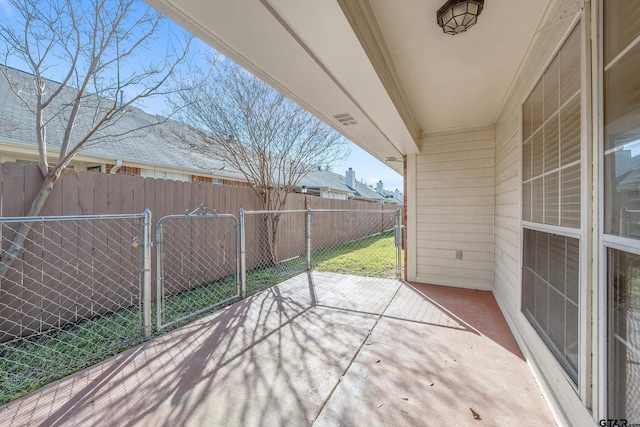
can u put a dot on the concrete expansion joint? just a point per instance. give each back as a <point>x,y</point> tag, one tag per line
<point>365,341</point>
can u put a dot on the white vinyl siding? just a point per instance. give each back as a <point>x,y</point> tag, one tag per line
<point>454,198</point>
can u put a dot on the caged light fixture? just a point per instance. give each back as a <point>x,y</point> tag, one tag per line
<point>457,16</point>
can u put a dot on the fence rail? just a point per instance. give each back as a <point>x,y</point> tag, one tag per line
<point>80,289</point>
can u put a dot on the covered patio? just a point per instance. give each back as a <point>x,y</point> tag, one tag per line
<point>519,145</point>
<point>321,348</point>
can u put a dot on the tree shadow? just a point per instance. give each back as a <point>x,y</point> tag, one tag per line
<point>275,358</point>
<point>271,359</point>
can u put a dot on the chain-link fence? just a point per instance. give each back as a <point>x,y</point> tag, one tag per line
<point>359,242</point>
<point>197,264</point>
<point>79,288</point>
<point>70,297</point>
<point>200,266</point>
<point>277,245</point>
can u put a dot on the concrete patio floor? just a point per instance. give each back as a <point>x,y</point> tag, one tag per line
<point>323,349</point>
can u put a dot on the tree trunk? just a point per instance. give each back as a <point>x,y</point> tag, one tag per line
<point>273,240</point>
<point>21,234</point>
<point>269,240</point>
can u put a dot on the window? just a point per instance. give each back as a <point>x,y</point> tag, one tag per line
<point>624,334</point>
<point>152,173</point>
<point>551,200</point>
<point>551,147</point>
<point>207,179</point>
<point>550,285</point>
<point>622,205</point>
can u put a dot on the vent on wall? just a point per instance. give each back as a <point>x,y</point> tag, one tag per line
<point>346,119</point>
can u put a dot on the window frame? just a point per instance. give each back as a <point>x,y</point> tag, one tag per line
<point>605,241</point>
<point>548,342</point>
<point>583,384</point>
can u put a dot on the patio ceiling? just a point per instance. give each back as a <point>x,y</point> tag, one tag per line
<point>384,63</point>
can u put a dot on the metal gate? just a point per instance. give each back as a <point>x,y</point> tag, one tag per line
<point>196,264</point>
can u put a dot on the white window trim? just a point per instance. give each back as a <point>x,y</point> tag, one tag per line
<point>554,229</point>
<point>605,241</point>
<point>582,388</point>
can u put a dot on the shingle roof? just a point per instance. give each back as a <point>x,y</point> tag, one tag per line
<point>326,179</point>
<point>152,146</point>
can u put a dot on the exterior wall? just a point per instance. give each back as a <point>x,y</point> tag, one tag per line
<point>571,405</point>
<point>454,209</point>
<point>235,183</point>
<point>11,152</point>
<point>464,193</point>
<point>126,170</point>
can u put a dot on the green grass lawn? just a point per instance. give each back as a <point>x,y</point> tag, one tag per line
<point>33,362</point>
<point>371,256</point>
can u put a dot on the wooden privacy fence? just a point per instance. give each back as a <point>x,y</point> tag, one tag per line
<point>89,193</point>
<point>74,270</point>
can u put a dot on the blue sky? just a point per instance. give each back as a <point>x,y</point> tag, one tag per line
<point>367,167</point>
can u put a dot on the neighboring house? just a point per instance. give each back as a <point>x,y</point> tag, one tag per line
<point>507,135</point>
<point>150,152</point>
<point>394,195</point>
<point>330,185</point>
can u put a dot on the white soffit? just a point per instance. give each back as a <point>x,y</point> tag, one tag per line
<point>457,81</point>
<point>323,29</point>
<point>292,46</point>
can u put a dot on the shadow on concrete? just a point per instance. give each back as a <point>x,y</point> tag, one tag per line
<point>321,347</point>
<point>271,359</point>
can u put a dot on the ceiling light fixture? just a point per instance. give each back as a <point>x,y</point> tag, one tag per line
<point>457,16</point>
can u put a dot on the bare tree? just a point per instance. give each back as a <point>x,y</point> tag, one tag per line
<point>97,51</point>
<point>274,143</point>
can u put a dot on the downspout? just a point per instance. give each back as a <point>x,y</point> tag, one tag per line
<point>116,167</point>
